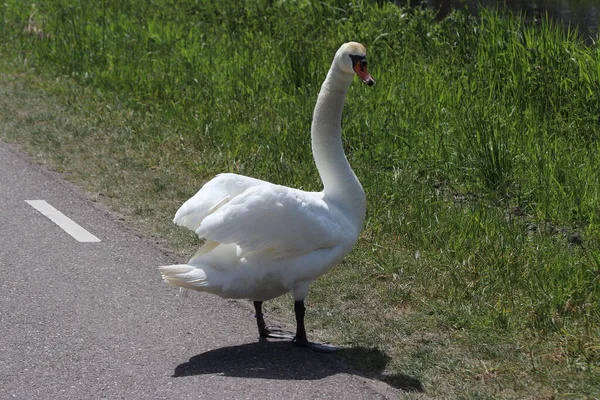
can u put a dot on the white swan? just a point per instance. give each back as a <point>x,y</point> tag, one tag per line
<point>264,240</point>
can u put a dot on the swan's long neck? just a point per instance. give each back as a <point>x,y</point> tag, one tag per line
<point>341,186</point>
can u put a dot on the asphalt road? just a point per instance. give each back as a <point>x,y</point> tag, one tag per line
<point>93,320</point>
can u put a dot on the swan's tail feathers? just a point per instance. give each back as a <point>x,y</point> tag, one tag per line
<point>185,276</point>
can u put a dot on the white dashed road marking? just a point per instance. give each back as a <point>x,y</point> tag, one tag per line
<point>64,222</point>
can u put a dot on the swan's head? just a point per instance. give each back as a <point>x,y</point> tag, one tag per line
<point>351,58</point>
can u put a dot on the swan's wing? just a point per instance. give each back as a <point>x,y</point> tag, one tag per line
<point>275,219</point>
<point>213,195</point>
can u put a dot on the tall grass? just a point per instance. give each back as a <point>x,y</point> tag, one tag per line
<point>479,148</point>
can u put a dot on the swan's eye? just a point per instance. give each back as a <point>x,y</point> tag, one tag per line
<point>358,61</point>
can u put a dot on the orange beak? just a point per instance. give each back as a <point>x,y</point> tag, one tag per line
<point>360,68</point>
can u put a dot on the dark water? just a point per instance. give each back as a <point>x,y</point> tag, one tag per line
<point>583,15</point>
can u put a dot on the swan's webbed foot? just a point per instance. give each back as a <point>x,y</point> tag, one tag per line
<point>323,347</point>
<point>276,332</point>
<point>316,346</point>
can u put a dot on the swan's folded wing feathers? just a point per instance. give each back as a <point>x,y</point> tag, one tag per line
<point>213,195</point>
<point>272,218</point>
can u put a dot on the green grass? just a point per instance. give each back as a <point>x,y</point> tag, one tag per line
<point>478,271</point>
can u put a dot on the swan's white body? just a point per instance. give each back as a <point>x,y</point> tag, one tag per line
<point>264,240</point>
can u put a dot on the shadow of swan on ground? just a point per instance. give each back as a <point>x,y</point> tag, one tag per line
<point>281,360</point>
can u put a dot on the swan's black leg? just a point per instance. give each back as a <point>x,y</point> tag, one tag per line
<point>299,309</point>
<point>260,321</point>
<point>271,332</point>
<point>301,340</point>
